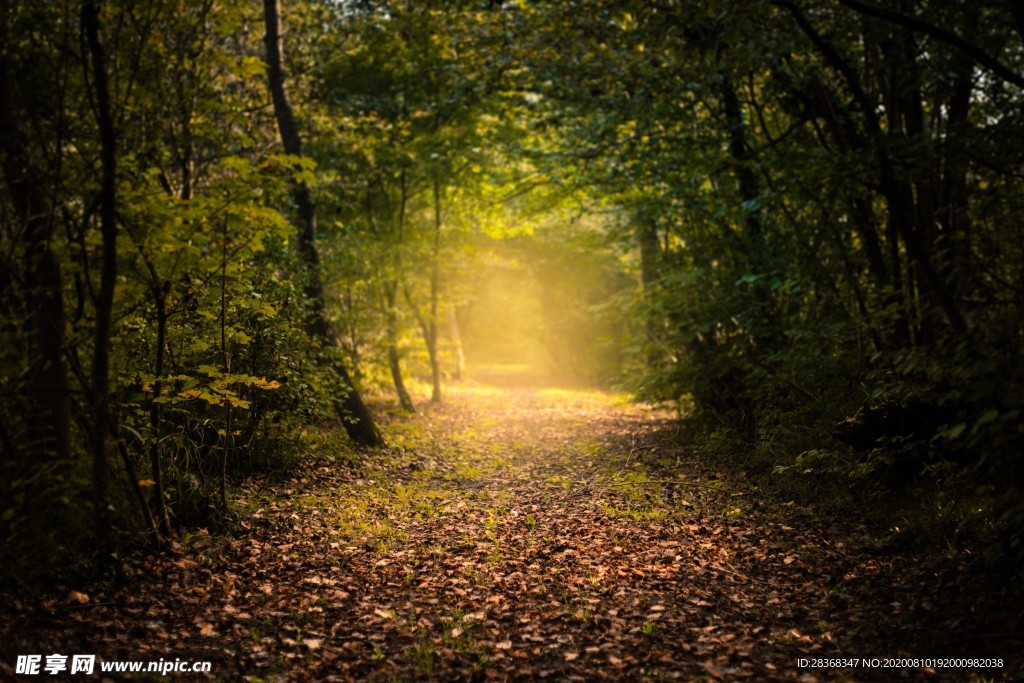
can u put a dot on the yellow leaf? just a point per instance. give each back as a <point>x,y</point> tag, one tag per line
<point>146,482</point>
<point>80,598</point>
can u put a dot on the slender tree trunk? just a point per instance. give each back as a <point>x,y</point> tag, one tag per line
<point>163,528</point>
<point>748,185</point>
<point>394,361</point>
<point>953,217</point>
<point>650,272</point>
<point>435,284</point>
<point>156,416</point>
<point>453,331</point>
<point>226,354</point>
<point>351,338</point>
<point>105,294</point>
<point>896,201</point>
<point>910,208</point>
<point>352,411</point>
<point>136,489</point>
<point>397,223</point>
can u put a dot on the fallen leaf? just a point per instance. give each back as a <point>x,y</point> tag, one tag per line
<point>80,598</point>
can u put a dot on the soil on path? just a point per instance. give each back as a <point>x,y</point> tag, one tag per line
<point>514,533</point>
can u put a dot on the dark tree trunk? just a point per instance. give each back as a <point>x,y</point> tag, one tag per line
<point>748,185</point>
<point>49,414</point>
<point>650,272</point>
<point>910,207</point>
<point>749,188</point>
<point>105,294</point>
<point>953,218</point>
<point>1017,12</point>
<point>352,411</point>
<point>899,206</point>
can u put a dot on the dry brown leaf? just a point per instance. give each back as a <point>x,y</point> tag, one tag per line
<point>76,597</point>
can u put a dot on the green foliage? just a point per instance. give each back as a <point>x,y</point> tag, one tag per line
<point>210,357</point>
<point>814,245</point>
<point>725,204</point>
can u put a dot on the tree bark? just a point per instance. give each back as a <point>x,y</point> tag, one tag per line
<point>650,272</point>
<point>394,361</point>
<point>105,294</point>
<point>899,207</point>
<point>156,414</point>
<point>354,415</point>
<point>454,332</point>
<point>49,416</point>
<point>912,23</point>
<point>435,283</point>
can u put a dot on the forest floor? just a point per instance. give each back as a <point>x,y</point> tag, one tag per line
<point>525,533</point>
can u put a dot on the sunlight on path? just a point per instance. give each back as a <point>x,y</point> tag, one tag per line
<point>515,532</point>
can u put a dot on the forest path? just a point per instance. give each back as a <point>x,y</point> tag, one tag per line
<point>511,533</point>
<point>519,532</point>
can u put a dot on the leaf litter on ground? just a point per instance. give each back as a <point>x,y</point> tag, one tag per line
<point>521,534</point>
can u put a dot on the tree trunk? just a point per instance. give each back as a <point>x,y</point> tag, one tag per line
<point>435,281</point>
<point>105,294</point>
<point>394,362</point>
<point>910,207</point>
<point>953,217</point>
<point>49,415</point>
<point>352,411</point>
<point>460,356</point>
<point>898,210</point>
<point>650,272</point>
<point>746,179</point>
<point>156,416</point>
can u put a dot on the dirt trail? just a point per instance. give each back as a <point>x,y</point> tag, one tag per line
<point>511,533</point>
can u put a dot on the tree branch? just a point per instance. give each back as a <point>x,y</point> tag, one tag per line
<point>914,24</point>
